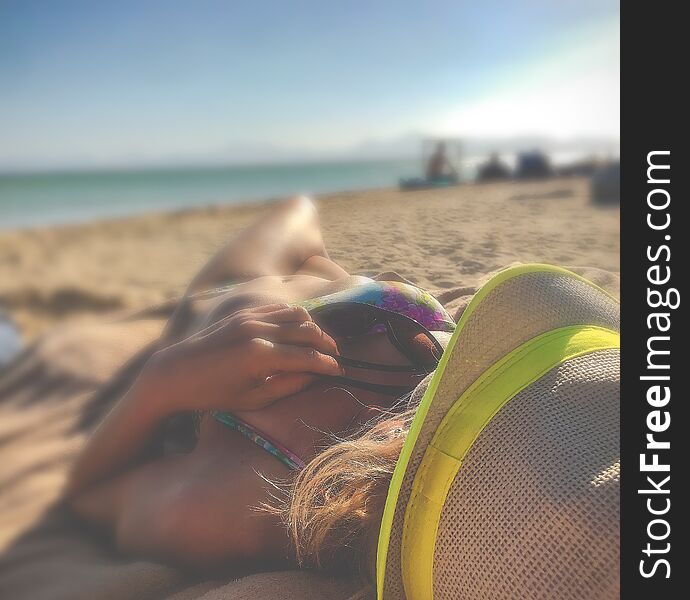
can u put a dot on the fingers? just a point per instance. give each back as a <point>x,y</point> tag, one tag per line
<point>267,308</point>
<point>234,326</point>
<point>280,386</point>
<point>287,325</point>
<point>267,358</point>
<point>307,333</point>
<point>291,314</point>
<point>277,323</point>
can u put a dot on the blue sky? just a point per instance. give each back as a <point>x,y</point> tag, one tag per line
<point>100,83</point>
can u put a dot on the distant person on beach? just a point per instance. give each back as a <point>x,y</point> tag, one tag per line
<point>439,172</point>
<point>439,167</point>
<point>493,169</point>
<point>533,165</point>
<point>265,424</point>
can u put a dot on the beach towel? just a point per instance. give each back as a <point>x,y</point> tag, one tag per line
<point>51,398</point>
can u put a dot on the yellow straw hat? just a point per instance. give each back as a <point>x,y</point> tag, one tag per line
<point>508,483</point>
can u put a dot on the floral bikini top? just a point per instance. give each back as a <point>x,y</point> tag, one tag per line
<point>394,296</point>
<point>402,298</point>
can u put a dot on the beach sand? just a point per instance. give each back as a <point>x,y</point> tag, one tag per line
<point>435,238</point>
<point>440,239</point>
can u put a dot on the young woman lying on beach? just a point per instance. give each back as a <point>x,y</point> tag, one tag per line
<point>297,377</point>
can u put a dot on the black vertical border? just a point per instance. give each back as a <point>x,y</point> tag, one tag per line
<point>655,115</point>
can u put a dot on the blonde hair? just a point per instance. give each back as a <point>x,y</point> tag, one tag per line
<point>333,508</point>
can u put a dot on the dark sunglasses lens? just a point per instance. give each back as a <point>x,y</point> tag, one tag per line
<point>349,321</point>
<point>358,319</point>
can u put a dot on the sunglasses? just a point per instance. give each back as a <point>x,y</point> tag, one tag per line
<point>411,339</point>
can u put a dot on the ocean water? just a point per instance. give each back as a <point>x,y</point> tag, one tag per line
<point>28,200</point>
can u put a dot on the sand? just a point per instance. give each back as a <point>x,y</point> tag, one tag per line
<point>435,238</point>
<point>441,239</point>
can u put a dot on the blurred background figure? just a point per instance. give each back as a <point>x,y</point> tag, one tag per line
<point>533,165</point>
<point>439,167</point>
<point>493,169</point>
<point>441,160</point>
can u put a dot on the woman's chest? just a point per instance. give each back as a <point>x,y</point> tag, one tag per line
<point>210,307</point>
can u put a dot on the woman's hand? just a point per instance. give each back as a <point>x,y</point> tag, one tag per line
<point>243,362</point>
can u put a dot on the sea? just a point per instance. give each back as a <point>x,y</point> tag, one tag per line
<point>36,199</point>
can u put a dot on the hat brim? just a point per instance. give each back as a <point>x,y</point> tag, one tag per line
<point>515,306</point>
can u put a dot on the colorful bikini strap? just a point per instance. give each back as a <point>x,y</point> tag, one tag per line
<point>394,296</point>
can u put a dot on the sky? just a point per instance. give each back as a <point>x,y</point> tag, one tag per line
<point>151,81</point>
